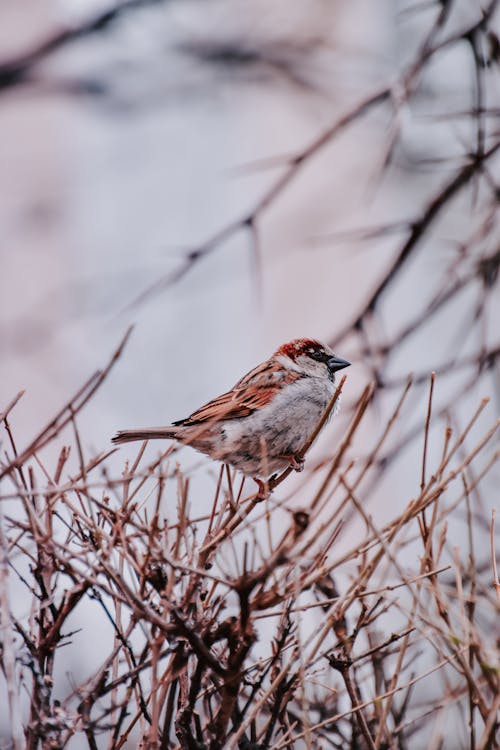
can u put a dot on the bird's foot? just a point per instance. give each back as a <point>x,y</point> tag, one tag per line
<point>296,463</point>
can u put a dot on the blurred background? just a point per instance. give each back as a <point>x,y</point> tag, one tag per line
<point>138,132</point>
<point>185,166</point>
<point>134,133</point>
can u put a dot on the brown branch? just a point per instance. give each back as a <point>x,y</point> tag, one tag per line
<point>496,582</point>
<point>66,414</point>
<point>437,203</point>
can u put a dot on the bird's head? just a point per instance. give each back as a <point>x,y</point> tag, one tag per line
<point>311,358</point>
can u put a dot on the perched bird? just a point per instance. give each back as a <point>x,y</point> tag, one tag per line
<point>260,426</point>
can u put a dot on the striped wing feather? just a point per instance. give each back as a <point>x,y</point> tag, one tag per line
<point>256,389</point>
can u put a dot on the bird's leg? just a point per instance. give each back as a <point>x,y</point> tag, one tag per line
<point>263,491</point>
<point>297,463</point>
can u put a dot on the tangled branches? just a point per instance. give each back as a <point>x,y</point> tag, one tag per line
<point>220,633</point>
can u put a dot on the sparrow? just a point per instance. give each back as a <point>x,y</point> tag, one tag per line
<point>260,426</point>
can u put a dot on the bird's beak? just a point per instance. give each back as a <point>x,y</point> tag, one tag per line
<point>337,363</point>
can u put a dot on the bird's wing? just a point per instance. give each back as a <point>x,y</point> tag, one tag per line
<point>256,389</point>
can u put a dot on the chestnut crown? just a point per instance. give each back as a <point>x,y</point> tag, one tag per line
<point>312,356</point>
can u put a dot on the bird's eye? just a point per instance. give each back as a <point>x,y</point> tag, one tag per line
<point>317,355</point>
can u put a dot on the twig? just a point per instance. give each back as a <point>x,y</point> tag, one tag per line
<point>496,582</point>
<point>7,648</point>
<point>66,414</point>
<point>426,430</point>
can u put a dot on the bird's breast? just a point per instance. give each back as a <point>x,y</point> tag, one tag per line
<point>286,422</point>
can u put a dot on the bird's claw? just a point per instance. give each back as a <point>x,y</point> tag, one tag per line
<point>297,463</point>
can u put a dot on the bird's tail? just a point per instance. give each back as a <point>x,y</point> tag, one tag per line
<point>127,436</point>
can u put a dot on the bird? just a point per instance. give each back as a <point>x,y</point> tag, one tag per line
<point>260,426</point>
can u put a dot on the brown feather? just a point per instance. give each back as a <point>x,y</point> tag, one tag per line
<point>256,389</point>
<point>127,436</point>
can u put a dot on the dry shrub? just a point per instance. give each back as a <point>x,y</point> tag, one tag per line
<point>250,626</point>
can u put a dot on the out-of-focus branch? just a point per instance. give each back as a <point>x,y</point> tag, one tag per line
<point>68,411</point>
<point>250,219</point>
<point>398,93</point>
<point>496,581</point>
<point>19,69</point>
<point>418,229</point>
